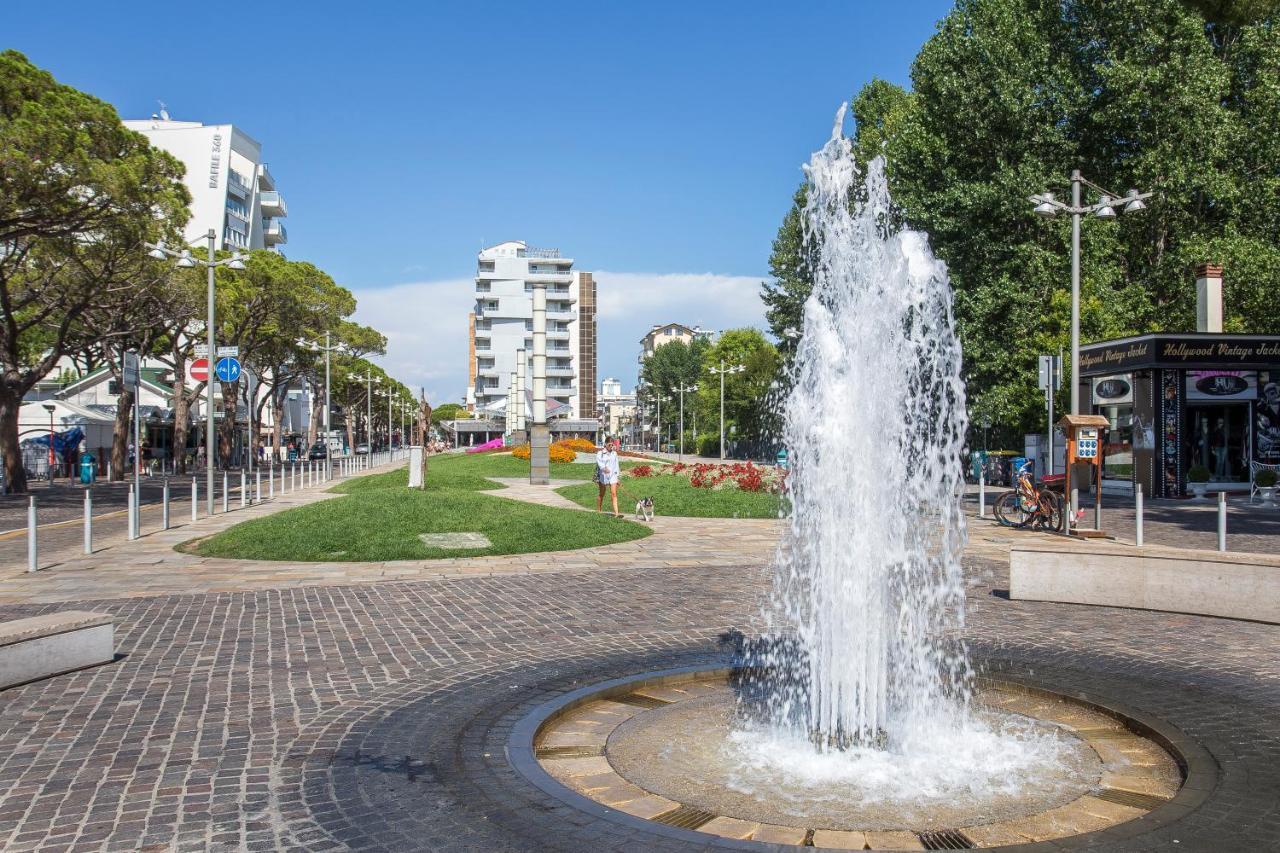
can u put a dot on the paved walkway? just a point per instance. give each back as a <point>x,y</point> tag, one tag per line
<point>279,706</point>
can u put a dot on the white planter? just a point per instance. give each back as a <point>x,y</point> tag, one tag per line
<point>1199,490</point>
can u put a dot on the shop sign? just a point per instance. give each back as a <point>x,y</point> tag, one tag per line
<point>1215,385</point>
<point>1111,390</point>
<point>1266,424</point>
<point>1198,351</point>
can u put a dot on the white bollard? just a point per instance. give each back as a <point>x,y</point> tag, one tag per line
<point>243,494</point>
<point>195,498</point>
<point>257,485</point>
<point>133,514</point>
<point>271,483</point>
<point>224,491</point>
<point>1137,515</point>
<point>982,493</point>
<point>88,521</point>
<point>164,506</point>
<point>1222,521</point>
<point>33,554</point>
<point>108,470</point>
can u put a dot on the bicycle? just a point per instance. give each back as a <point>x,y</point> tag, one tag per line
<point>1026,505</point>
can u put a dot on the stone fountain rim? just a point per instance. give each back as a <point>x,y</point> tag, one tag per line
<point>1199,769</point>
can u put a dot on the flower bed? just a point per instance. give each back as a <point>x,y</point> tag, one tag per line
<point>557,452</point>
<point>743,476</point>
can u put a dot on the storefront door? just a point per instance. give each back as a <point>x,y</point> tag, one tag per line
<point>1217,437</point>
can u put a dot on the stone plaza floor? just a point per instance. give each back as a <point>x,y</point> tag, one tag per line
<point>278,706</point>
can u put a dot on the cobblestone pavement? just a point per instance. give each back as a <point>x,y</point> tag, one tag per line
<point>290,712</point>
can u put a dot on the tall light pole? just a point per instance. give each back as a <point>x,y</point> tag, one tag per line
<point>1106,208</point>
<point>539,431</point>
<point>186,260</point>
<point>732,368</point>
<point>328,349</point>
<point>369,380</point>
<point>682,391</point>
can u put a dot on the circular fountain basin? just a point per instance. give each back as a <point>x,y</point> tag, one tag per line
<point>672,750</point>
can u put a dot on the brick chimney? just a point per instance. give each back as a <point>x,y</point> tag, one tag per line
<point>1209,298</point>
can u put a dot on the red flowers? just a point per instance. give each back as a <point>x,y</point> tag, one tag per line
<point>745,476</point>
<point>642,471</point>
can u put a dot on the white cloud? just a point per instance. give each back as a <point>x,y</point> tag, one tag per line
<point>426,322</point>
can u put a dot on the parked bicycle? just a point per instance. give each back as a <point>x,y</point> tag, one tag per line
<point>1027,506</point>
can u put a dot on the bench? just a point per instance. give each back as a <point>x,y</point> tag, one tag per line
<point>42,646</point>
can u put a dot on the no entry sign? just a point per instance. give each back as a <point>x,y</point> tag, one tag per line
<point>199,369</point>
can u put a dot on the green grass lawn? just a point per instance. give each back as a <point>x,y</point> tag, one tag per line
<point>673,495</point>
<point>457,466</point>
<point>379,518</point>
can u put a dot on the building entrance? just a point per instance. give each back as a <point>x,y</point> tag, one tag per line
<point>1217,437</point>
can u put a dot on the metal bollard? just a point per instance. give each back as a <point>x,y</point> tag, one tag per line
<point>133,514</point>
<point>982,494</point>
<point>1137,517</point>
<point>108,470</point>
<point>33,553</point>
<point>195,498</point>
<point>242,489</point>
<point>257,485</point>
<point>1222,521</point>
<point>224,490</point>
<point>271,483</point>
<point>164,506</point>
<point>88,521</point>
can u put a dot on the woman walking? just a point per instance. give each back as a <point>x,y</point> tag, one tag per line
<point>607,473</point>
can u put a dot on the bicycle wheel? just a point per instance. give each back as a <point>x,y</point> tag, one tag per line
<point>1049,513</point>
<point>1010,512</point>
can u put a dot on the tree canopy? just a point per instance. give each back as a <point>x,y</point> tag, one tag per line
<point>1007,98</point>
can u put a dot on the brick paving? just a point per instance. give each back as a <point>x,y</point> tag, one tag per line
<point>276,707</point>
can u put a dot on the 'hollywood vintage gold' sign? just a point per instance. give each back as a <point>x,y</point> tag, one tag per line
<point>1180,351</point>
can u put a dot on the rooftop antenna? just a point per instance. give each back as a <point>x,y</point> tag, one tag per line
<point>164,114</point>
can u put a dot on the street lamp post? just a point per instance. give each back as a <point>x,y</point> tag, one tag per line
<point>186,260</point>
<point>682,389</point>
<point>53,457</point>
<point>1106,208</point>
<point>369,380</point>
<point>328,349</point>
<point>733,368</point>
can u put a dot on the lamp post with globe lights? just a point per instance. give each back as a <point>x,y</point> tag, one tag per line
<point>683,390</point>
<point>721,371</point>
<point>186,261</point>
<point>1105,208</point>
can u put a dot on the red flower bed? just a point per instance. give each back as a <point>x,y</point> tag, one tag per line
<point>642,471</point>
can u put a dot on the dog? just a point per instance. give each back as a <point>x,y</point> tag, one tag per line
<point>644,509</point>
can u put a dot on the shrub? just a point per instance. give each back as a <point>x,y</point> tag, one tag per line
<point>521,451</point>
<point>1265,478</point>
<point>580,445</point>
<point>556,453</point>
<point>1198,474</point>
<point>709,444</point>
<point>642,471</point>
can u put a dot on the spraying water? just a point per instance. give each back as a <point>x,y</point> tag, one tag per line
<point>874,426</point>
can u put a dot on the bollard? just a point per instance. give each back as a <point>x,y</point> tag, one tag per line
<point>133,514</point>
<point>1222,521</point>
<point>33,554</point>
<point>295,477</point>
<point>1137,516</point>
<point>271,483</point>
<point>982,493</point>
<point>88,521</point>
<point>164,506</point>
<point>224,490</point>
<point>195,498</point>
<point>257,485</point>
<point>242,489</point>
<point>108,470</point>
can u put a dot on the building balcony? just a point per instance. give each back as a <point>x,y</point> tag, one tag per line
<point>273,232</point>
<point>549,277</point>
<point>272,204</point>
<point>562,335</point>
<point>237,184</point>
<point>265,181</point>
<point>562,371</point>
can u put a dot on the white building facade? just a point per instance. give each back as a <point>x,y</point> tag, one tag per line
<point>502,324</point>
<point>232,192</point>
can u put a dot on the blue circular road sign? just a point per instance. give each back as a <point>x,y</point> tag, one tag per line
<point>228,369</point>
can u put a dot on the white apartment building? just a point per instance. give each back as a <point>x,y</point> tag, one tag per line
<point>232,192</point>
<point>502,324</point>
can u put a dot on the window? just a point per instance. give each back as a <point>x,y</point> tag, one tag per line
<point>483,287</point>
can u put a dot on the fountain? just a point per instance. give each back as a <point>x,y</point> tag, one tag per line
<point>856,719</point>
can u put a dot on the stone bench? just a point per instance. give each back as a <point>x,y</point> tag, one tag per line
<point>42,646</point>
<point>1231,584</point>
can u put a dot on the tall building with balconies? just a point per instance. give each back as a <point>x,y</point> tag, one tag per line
<point>502,324</point>
<point>232,192</point>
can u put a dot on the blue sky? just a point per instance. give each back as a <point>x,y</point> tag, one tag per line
<point>658,143</point>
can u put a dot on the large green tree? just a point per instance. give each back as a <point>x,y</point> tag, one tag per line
<point>79,195</point>
<point>672,366</point>
<point>746,392</point>
<point>1007,98</point>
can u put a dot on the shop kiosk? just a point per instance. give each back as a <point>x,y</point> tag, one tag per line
<point>1084,461</point>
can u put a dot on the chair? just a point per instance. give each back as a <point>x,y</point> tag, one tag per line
<point>1254,468</point>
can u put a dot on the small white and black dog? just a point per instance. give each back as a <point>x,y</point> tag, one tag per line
<point>644,509</point>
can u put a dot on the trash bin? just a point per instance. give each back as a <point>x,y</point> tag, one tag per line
<point>977,459</point>
<point>88,469</point>
<point>782,459</point>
